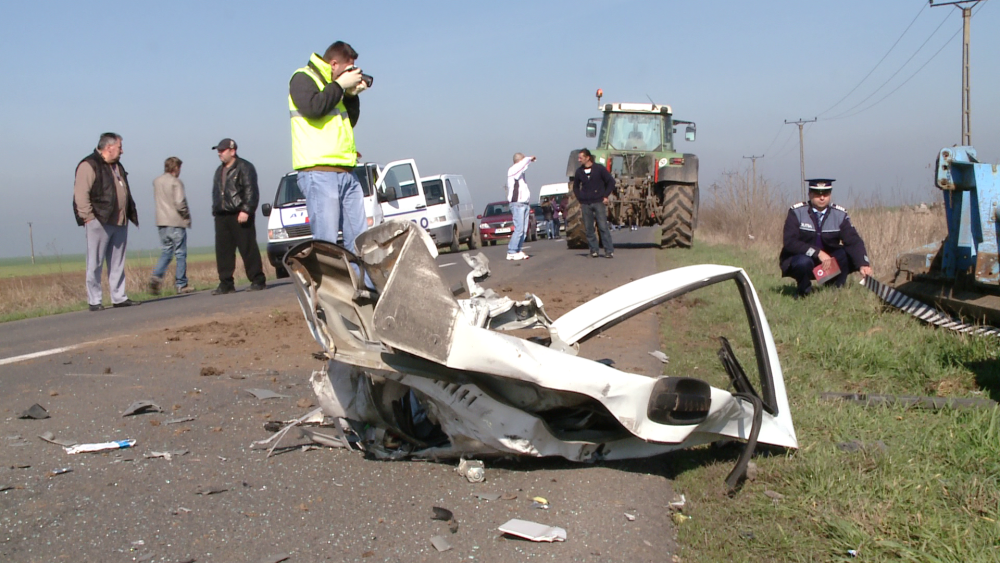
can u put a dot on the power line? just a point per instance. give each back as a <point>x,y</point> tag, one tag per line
<point>922,7</point>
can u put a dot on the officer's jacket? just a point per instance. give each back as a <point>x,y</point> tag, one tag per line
<point>806,234</point>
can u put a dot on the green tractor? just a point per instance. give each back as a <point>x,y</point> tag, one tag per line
<point>656,186</point>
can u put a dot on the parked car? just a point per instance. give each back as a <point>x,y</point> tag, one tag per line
<point>497,223</point>
<point>542,228</point>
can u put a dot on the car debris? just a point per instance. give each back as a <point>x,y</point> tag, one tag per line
<point>51,438</point>
<point>205,490</point>
<point>487,496</point>
<point>141,407</point>
<point>440,543</point>
<point>445,515</point>
<point>180,420</point>
<point>60,471</point>
<point>660,356</point>
<point>34,412</point>
<point>263,394</point>
<point>100,447</point>
<point>533,531</point>
<point>472,469</point>
<point>415,372</point>
<point>165,455</point>
<point>629,517</point>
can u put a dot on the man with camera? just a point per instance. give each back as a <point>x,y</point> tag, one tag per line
<point>324,108</point>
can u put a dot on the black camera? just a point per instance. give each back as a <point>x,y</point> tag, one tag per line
<point>366,78</point>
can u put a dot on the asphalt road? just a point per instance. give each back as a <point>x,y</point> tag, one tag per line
<point>196,356</point>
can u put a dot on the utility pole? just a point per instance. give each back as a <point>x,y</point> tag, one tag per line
<point>802,153</point>
<point>753,159</point>
<point>31,238</point>
<point>966,6</point>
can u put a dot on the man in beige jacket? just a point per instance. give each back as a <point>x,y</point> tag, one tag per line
<point>172,219</point>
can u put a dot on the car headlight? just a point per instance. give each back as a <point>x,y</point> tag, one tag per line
<point>277,234</point>
<point>485,226</point>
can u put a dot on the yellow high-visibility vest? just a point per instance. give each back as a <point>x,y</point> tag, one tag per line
<point>328,140</point>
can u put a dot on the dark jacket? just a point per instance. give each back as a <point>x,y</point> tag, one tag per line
<point>104,193</point>
<point>238,191</point>
<point>835,231</point>
<point>593,187</point>
<point>314,103</point>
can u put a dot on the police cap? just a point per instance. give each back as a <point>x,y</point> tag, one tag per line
<point>821,184</point>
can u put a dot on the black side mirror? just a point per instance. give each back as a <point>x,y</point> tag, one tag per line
<point>266,209</point>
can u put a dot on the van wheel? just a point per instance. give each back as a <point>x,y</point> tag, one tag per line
<point>474,240</point>
<point>454,240</point>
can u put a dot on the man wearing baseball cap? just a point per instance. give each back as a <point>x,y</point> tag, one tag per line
<point>818,233</point>
<point>234,201</point>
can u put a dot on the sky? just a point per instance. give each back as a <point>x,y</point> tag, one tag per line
<point>461,86</point>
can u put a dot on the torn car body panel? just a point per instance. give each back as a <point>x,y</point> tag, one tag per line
<point>439,374</point>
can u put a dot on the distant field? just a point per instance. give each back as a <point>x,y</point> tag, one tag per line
<point>22,266</point>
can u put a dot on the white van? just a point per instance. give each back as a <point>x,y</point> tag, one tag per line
<point>288,220</point>
<point>441,204</point>
<point>550,190</point>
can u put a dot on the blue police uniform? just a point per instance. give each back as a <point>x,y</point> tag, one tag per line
<point>807,232</point>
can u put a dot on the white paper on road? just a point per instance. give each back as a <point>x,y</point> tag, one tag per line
<point>533,530</point>
<point>103,446</point>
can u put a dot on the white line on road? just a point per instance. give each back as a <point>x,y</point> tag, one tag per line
<point>43,353</point>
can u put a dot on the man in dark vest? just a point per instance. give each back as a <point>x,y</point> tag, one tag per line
<point>102,204</point>
<point>819,233</point>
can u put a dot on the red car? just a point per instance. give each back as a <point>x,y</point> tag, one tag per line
<point>497,223</point>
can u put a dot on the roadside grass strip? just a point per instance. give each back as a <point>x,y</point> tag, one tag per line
<point>871,484</point>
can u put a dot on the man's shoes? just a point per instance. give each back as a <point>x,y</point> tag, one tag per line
<point>184,290</point>
<point>97,307</point>
<point>126,303</point>
<point>257,287</point>
<point>593,254</point>
<point>609,255</point>
<point>222,290</point>
<point>154,285</point>
<point>517,256</point>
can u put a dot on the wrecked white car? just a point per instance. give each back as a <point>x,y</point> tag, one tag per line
<point>416,372</point>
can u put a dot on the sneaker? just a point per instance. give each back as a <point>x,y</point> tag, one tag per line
<point>185,289</point>
<point>154,285</point>
<point>97,307</point>
<point>127,303</point>
<point>610,255</point>
<point>257,287</point>
<point>517,256</point>
<point>593,254</point>
<point>222,290</point>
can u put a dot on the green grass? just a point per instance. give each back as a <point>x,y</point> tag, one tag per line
<point>931,494</point>
<point>22,266</point>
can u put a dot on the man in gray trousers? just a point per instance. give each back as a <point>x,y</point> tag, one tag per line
<point>103,205</point>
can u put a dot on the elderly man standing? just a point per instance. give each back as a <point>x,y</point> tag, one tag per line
<point>172,220</point>
<point>103,205</point>
<point>519,195</point>
<point>234,200</point>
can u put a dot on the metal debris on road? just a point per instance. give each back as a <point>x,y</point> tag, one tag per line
<point>141,407</point>
<point>35,412</point>
<point>263,394</point>
<point>533,531</point>
<point>660,356</point>
<point>472,469</point>
<point>165,455</point>
<point>180,420</point>
<point>100,447</point>
<point>630,517</point>
<point>205,490</point>
<point>61,471</point>
<point>487,496</point>
<point>181,510</point>
<point>51,438</point>
<point>440,543</point>
<point>445,515</point>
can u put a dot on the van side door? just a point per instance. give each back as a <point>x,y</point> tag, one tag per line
<point>403,193</point>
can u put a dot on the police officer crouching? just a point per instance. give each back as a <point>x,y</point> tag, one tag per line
<point>817,233</point>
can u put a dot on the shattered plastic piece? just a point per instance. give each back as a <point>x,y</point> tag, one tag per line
<point>180,420</point>
<point>276,558</point>
<point>660,356</point>
<point>181,510</point>
<point>35,411</point>
<point>61,471</point>
<point>679,518</point>
<point>539,505</point>
<point>263,394</point>
<point>50,437</point>
<point>101,447</point>
<point>206,490</point>
<point>678,504</point>
<point>487,496</point>
<point>440,543</point>
<point>445,515</point>
<point>533,531</point>
<point>630,517</point>
<point>472,469</point>
<point>165,455</point>
<point>141,407</point>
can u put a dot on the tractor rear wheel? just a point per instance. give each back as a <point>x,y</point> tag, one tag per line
<point>576,237</point>
<point>678,213</point>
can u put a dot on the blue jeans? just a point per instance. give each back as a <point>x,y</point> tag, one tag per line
<point>519,211</point>
<point>335,202</point>
<point>597,212</point>
<point>552,230</point>
<point>173,242</point>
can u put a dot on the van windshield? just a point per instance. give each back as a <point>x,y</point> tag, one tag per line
<point>434,192</point>
<point>288,192</point>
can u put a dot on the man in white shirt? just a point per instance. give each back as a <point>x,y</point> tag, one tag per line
<point>519,195</point>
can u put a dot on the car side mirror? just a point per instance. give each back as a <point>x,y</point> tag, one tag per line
<point>689,133</point>
<point>266,209</point>
<point>591,130</point>
<point>479,216</point>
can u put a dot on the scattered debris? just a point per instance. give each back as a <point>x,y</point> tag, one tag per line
<point>141,407</point>
<point>181,510</point>
<point>533,531</point>
<point>101,447</point>
<point>209,370</point>
<point>630,517</point>
<point>508,496</point>
<point>51,438</point>
<point>440,543</point>
<point>180,420</point>
<point>472,469</point>
<point>539,502</point>
<point>487,496</point>
<point>61,471</point>
<point>165,455</point>
<point>678,505</point>
<point>445,515</point>
<point>205,490</point>
<point>679,518</point>
<point>36,412</point>
<point>20,466</point>
<point>660,356</point>
<point>262,394</point>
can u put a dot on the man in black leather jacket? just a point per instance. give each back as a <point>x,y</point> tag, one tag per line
<point>234,201</point>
